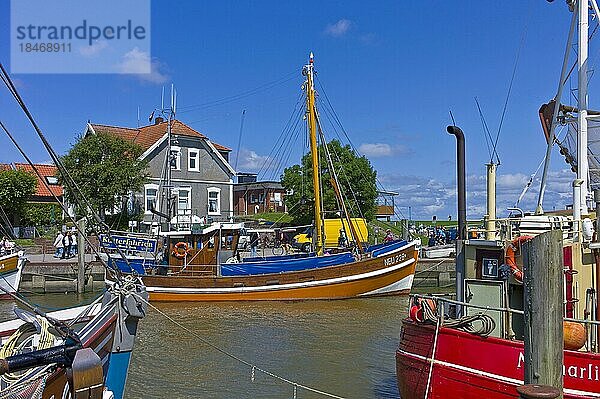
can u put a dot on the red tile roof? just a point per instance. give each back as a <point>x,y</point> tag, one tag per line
<point>45,171</point>
<point>5,166</point>
<point>146,136</point>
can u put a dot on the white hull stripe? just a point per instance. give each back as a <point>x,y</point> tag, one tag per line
<point>279,287</point>
<point>497,377</point>
<point>404,284</point>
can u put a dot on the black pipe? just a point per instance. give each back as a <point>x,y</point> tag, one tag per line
<point>462,189</point>
<point>62,355</point>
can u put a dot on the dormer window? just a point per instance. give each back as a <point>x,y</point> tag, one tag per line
<point>52,180</point>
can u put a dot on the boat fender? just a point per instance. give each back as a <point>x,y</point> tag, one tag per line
<point>416,313</point>
<point>422,307</point>
<point>574,335</point>
<point>180,250</point>
<point>510,256</point>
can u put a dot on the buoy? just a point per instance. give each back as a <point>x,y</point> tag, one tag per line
<point>574,335</point>
<point>416,313</point>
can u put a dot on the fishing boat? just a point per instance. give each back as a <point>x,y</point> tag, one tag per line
<point>39,352</point>
<point>472,347</point>
<point>199,263</point>
<point>11,268</point>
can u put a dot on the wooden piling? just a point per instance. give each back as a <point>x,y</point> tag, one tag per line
<point>81,256</point>
<point>543,292</point>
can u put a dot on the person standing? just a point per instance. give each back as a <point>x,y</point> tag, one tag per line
<point>253,243</point>
<point>66,241</point>
<point>73,250</point>
<point>58,244</point>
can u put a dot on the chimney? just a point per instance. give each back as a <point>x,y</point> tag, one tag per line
<point>158,120</point>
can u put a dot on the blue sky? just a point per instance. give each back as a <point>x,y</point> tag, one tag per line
<point>391,69</point>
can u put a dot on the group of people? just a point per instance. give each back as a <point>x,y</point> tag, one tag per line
<point>439,236</point>
<point>65,244</point>
<point>6,246</point>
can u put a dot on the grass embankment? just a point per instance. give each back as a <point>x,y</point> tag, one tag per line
<point>274,217</point>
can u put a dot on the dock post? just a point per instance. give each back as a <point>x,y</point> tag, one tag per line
<point>543,299</point>
<point>81,256</point>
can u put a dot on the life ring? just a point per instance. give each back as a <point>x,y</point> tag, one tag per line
<point>510,256</point>
<point>180,250</point>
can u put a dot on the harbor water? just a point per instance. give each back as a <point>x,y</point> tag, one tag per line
<point>345,348</point>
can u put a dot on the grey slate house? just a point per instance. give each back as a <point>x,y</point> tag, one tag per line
<point>201,176</point>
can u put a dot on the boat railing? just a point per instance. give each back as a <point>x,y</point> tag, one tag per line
<point>189,270</point>
<point>440,301</point>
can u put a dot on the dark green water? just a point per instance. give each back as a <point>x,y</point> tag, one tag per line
<point>341,347</point>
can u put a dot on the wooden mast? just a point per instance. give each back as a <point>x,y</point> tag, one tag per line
<point>311,117</point>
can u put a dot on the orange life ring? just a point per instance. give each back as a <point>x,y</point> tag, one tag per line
<point>510,256</point>
<point>180,250</point>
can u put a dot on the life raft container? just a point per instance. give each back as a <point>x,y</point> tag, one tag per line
<point>510,256</point>
<point>180,250</point>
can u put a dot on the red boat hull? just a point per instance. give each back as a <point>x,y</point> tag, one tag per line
<point>469,366</point>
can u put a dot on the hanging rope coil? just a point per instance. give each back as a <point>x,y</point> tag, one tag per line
<point>23,336</point>
<point>425,311</point>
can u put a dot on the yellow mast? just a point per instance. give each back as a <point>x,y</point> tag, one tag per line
<point>311,117</point>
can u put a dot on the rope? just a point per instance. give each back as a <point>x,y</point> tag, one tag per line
<point>464,323</point>
<point>432,360</point>
<point>14,344</point>
<point>31,389</point>
<point>253,367</point>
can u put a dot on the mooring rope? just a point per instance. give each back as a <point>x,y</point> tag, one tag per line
<point>253,367</point>
<point>432,360</point>
<point>464,323</point>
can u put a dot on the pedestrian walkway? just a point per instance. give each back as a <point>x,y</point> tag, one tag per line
<point>49,258</point>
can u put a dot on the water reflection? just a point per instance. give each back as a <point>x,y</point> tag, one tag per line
<point>341,347</point>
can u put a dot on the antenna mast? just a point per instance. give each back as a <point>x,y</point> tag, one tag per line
<point>171,157</point>
<point>311,119</point>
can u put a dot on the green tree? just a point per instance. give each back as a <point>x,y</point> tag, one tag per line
<point>42,214</point>
<point>16,186</point>
<point>356,177</point>
<point>105,168</point>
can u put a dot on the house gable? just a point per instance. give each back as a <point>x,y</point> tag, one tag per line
<point>152,137</point>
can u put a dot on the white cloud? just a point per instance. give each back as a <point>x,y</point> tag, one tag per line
<point>249,160</point>
<point>338,29</point>
<point>377,150</point>
<point>94,49</point>
<point>428,196</point>
<point>138,63</point>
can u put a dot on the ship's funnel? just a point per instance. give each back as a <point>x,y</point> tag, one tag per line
<point>461,178</point>
<point>490,228</point>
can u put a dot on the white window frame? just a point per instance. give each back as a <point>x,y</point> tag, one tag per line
<point>188,209</point>
<point>177,158</point>
<point>196,152</point>
<point>147,187</point>
<point>216,190</point>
